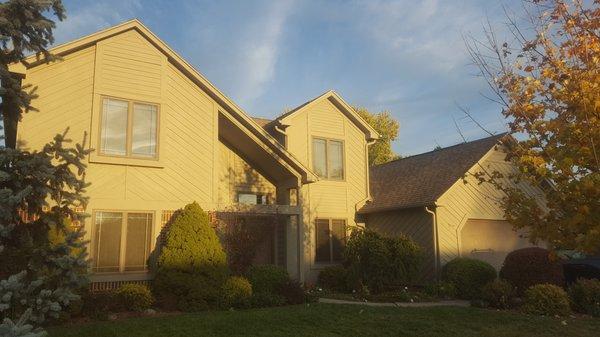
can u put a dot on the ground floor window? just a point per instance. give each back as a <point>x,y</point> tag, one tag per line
<point>330,240</point>
<point>122,241</point>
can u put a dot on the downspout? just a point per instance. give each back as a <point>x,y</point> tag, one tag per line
<point>436,249</point>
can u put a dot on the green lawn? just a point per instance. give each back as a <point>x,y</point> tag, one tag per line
<point>339,320</point>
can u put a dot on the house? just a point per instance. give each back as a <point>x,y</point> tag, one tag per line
<point>435,199</point>
<point>164,136</point>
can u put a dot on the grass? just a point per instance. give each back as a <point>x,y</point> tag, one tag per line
<point>339,320</point>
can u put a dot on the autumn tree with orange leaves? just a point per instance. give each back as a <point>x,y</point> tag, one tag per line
<point>548,81</point>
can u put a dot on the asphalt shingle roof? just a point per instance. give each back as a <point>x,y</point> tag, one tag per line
<point>421,179</point>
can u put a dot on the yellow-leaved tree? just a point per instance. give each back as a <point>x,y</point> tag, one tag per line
<point>548,81</point>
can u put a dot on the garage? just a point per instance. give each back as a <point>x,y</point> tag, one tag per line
<point>490,240</point>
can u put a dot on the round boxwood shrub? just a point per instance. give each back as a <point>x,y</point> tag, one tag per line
<point>334,278</point>
<point>546,299</point>
<point>529,266</point>
<point>468,276</point>
<point>267,278</point>
<point>585,296</point>
<point>498,294</point>
<point>380,263</point>
<point>237,292</point>
<point>191,267</point>
<point>134,297</point>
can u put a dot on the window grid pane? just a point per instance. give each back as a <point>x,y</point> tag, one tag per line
<point>114,127</point>
<point>336,159</point>
<point>139,228</point>
<point>323,250</point>
<point>108,241</point>
<point>144,128</point>
<point>320,157</point>
<point>338,239</point>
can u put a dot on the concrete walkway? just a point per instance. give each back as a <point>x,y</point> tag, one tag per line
<point>454,303</point>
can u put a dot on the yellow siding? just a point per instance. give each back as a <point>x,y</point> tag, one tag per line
<point>415,223</point>
<point>328,199</point>
<point>236,175</point>
<point>472,201</point>
<point>128,67</point>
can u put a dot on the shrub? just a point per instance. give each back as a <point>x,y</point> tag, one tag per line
<point>334,278</point>
<point>468,276</point>
<point>585,296</point>
<point>191,267</point>
<point>97,305</point>
<point>529,266</point>
<point>498,294</point>
<point>134,297</point>
<point>293,292</point>
<point>380,263</point>
<point>267,278</point>
<point>237,292</point>
<point>546,299</point>
<point>443,290</point>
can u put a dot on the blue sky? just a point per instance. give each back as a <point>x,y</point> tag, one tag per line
<point>407,57</point>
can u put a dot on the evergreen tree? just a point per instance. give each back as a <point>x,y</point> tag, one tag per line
<point>42,258</point>
<point>191,267</point>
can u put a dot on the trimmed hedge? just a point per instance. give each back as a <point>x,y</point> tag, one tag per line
<point>191,266</point>
<point>546,299</point>
<point>267,278</point>
<point>134,297</point>
<point>468,276</point>
<point>526,267</point>
<point>380,263</point>
<point>585,296</point>
<point>498,294</point>
<point>237,292</point>
<point>334,278</point>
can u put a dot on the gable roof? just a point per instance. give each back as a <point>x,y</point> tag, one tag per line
<point>340,103</point>
<point>188,70</point>
<point>421,179</point>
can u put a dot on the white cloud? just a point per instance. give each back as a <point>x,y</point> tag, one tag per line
<point>261,50</point>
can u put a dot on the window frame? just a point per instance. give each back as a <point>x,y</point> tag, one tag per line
<point>256,196</point>
<point>328,157</point>
<point>330,221</point>
<point>123,243</point>
<point>129,134</point>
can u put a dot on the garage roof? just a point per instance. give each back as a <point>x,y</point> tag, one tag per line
<point>421,179</point>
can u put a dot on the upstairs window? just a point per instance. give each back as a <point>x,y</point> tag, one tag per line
<point>128,129</point>
<point>330,240</point>
<point>328,158</point>
<point>252,199</point>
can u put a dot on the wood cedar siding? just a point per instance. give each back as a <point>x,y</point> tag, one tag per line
<point>415,223</point>
<point>236,175</point>
<point>327,198</point>
<point>472,201</point>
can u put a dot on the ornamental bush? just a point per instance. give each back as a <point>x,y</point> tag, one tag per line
<point>546,299</point>
<point>529,266</point>
<point>267,278</point>
<point>468,276</point>
<point>134,297</point>
<point>293,292</point>
<point>585,297</point>
<point>380,263</point>
<point>498,294</point>
<point>191,267</point>
<point>334,278</point>
<point>237,292</point>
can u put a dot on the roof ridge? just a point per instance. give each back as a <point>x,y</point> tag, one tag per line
<point>500,135</point>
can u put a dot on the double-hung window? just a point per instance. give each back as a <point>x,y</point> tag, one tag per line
<point>122,241</point>
<point>330,240</point>
<point>328,158</point>
<point>128,129</point>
